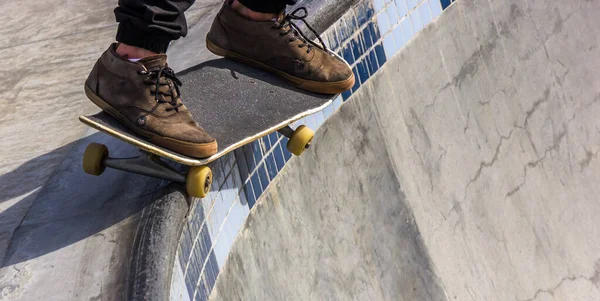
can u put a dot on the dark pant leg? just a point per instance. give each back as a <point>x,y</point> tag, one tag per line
<point>151,24</point>
<point>267,6</point>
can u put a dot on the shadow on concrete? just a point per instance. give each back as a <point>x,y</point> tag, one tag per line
<point>72,205</point>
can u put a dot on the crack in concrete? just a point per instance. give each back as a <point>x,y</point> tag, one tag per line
<point>467,125</point>
<point>533,164</point>
<point>536,105</point>
<point>435,98</point>
<point>593,279</point>
<point>487,102</point>
<point>545,98</point>
<point>485,164</point>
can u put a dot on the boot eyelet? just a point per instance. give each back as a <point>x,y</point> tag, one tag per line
<point>141,121</point>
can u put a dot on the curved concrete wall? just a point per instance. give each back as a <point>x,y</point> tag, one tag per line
<point>465,169</point>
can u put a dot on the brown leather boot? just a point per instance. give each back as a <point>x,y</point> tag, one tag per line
<point>145,97</point>
<point>279,46</point>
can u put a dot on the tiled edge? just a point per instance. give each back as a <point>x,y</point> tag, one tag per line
<point>366,36</point>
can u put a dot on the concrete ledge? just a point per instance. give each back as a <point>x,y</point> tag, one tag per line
<point>465,169</point>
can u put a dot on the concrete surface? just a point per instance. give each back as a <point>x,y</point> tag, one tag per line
<point>465,169</point>
<point>64,234</point>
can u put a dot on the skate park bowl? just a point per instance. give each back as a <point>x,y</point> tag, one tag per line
<point>462,166</point>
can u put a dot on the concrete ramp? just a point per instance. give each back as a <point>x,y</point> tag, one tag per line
<point>465,169</point>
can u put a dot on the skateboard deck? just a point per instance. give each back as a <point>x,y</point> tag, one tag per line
<point>236,103</point>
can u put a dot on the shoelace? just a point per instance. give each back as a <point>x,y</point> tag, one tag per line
<point>299,14</point>
<point>169,79</point>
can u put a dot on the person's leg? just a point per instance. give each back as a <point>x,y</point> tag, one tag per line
<point>147,27</point>
<point>269,39</point>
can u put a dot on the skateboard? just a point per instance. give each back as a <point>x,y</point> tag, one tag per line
<point>236,103</point>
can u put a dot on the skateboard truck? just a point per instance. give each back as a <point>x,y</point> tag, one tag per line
<point>198,179</point>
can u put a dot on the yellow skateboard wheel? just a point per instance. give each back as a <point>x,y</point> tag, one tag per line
<point>198,181</point>
<point>93,159</point>
<point>300,140</point>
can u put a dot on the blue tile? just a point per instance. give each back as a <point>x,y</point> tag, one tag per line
<point>425,13</point>
<point>333,39</point>
<point>392,13</point>
<point>343,32</point>
<point>357,48</point>
<point>286,154</point>
<point>198,260</point>
<point>264,178</point>
<point>389,46</point>
<point>256,187</point>
<point>368,7</point>
<point>407,30</point>
<point>383,22</point>
<point>229,192</point>
<point>243,198</point>
<point>278,155</point>
<point>347,94</point>
<point>201,293</point>
<point>363,70</point>
<point>436,8</point>
<point>416,21</point>
<point>192,278</point>
<point>227,162</point>
<point>186,247</point>
<point>193,224</point>
<point>357,81</point>
<point>367,37</point>
<point>328,111</point>
<point>211,270</point>
<point>411,4</point>
<point>249,192</point>
<point>351,21</point>
<point>182,259</point>
<point>347,54</point>
<point>237,180</point>
<point>371,62</point>
<point>364,12</point>
<point>271,166</point>
<point>217,172</point>
<point>337,102</point>
<point>241,162</point>
<point>267,143</point>
<point>398,38</point>
<point>375,35</point>
<point>445,3</point>
<point>204,244</point>
<point>319,118</point>
<point>378,5</point>
<point>248,154</point>
<point>381,59</point>
<point>401,8</point>
<point>191,286</point>
<point>273,138</point>
<point>310,122</point>
<point>256,151</point>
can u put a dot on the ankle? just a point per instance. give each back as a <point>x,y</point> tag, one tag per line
<point>250,14</point>
<point>131,52</point>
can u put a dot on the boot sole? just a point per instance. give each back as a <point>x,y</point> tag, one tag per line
<point>195,150</point>
<point>309,85</point>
